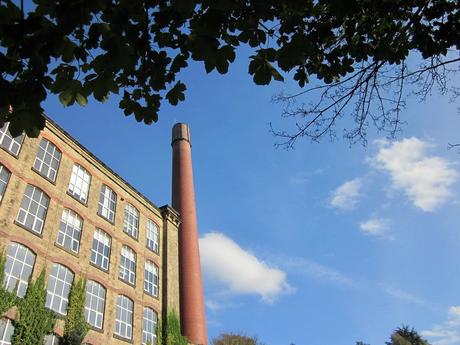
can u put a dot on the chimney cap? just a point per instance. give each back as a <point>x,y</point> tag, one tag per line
<point>180,131</point>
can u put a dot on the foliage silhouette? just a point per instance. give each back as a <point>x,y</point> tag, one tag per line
<point>360,52</point>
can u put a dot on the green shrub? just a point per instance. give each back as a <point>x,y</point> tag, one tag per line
<point>35,320</point>
<point>75,326</point>
<point>170,334</point>
<point>7,299</point>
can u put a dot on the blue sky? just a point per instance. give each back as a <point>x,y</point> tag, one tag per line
<point>324,244</point>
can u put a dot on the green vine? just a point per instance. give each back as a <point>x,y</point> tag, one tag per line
<point>35,320</point>
<point>7,299</point>
<point>171,333</point>
<point>159,332</point>
<point>75,326</point>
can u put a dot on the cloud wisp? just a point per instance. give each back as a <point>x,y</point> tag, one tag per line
<point>224,262</point>
<point>317,271</point>
<point>377,227</point>
<point>425,179</point>
<point>406,296</point>
<point>447,333</point>
<point>347,196</point>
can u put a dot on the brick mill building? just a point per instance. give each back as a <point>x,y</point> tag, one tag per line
<point>63,210</point>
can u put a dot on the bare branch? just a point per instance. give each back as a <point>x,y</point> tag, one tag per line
<point>375,92</point>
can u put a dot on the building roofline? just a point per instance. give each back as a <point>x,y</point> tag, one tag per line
<point>92,155</point>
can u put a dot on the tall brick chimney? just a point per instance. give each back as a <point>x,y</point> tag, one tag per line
<point>192,310</point>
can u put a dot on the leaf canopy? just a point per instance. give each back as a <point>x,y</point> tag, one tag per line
<point>95,48</point>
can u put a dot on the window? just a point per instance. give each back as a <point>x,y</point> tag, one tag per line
<point>51,339</point>
<point>70,230</point>
<point>47,160</point>
<point>12,145</point>
<point>107,202</point>
<point>79,183</point>
<point>131,224</point>
<point>33,209</point>
<point>6,331</point>
<point>100,252</point>
<point>152,236</point>
<point>59,284</point>
<point>151,278</point>
<point>128,265</point>
<point>4,178</point>
<point>149,327</point>
<point>124,317</point>
<point>95,304</point>
<point>18,267</point>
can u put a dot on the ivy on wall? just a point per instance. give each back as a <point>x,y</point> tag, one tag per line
<point>7,299</point>
<point>35,320</point>
<point>159,332</point>
<point>75,326</point>
<point>170,334</point>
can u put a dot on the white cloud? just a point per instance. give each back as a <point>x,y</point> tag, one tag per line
<point>304,177</point>
<point>213,305</point>
<point>454,314</point>
<point>299,179</point>
<point>226,263</point>
<point>316,270</point>
<point>374,227</point>
<point>218,304</point>
<point>425,179</point>
<point>406,296</point>
<point>447,333</point>
<point>347,195</point>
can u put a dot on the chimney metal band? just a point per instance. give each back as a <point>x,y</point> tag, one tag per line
<point>180,131</point>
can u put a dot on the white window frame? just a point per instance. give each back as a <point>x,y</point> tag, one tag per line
<point>149,326</point>
<point>124,317</point>
<point>51,339</point>
<point>34,198</point>
<point>70,229</point>
<point>79,183</point>
<point>103,240</point>
<point>5,175</point>
<point>95,304</point>
<point>59,291</point>
<point>15,143</point>
<point>128,265</point>
<point>47,160</point>
<point>6,331</point>
<point>151,278</point>
<point>18,258</point>
<point>131,222</point>
<point>153,236</point>
<point>107,203</point>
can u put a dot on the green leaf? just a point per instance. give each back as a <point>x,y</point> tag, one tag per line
<point>254,65</point>
<point>81,99</point>
<point>269,54</point>
<point>66,97</point>
<point>68,51</point>
<point>263,71</point>
<point>179,62</point>
<point>276,75</point>
<point>208,66</point>
<point>176,94</point>
<point>222,65</point>
<point>90,76</point>
<point>184,7</point>
<point>228,52</point>
<point>262,76</point>
<point>301,77</point>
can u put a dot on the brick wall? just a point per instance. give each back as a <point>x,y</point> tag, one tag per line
<point>48,251</point>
